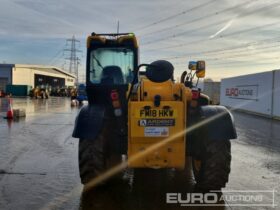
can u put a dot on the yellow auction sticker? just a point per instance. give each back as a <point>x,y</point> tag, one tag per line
<point>156,113</point>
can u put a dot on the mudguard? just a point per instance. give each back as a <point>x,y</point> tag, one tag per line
<point>89,122</point>
<point>220,122</point>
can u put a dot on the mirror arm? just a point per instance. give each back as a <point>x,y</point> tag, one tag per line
<point>183,77</point>
<point>197,81</point>
<point>135,79</point>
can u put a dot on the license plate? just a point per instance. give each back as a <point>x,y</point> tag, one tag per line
<point>156,113</point>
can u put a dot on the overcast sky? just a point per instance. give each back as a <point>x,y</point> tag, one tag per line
<point>233,36</point>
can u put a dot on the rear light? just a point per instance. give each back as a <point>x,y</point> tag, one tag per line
<point>116,104</point>
<point>195,94</point>
<point>114,95</point>
<point>115,101</point>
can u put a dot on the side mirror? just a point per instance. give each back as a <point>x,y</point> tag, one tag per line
<point>200,69</point>
<point>192,65</point>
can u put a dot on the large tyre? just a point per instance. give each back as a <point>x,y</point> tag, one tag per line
<point>212,170</point>
<point>91,159</point>
<point>97,155</point>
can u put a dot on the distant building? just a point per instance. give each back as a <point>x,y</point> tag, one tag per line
<point>34,75</point>
<point>212,89</point>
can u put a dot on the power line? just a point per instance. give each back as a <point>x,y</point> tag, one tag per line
<point>51,61</point>
<point>224,65</point>
<point>202,18</point>
<point>247,14</point>
<point>218,37</point>
<point>176,15</point>
<point>240,47</point>
<point>261,50</point>
<point>219,51</point>
<point>238,32</point>
<point>236,64</point>
<point>59,60</point>
<point>244,55</point>
<point>229,58</point>
<point>59,56</point>
<point>188,31</point>
<point>239,55</point>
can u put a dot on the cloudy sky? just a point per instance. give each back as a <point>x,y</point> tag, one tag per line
<point>233,36</point>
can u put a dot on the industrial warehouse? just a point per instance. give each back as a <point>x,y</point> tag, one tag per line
<point>30,76</point>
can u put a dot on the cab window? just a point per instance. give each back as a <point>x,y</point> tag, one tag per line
<point>111,66</point>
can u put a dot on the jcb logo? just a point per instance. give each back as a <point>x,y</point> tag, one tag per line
<point>156,113</point>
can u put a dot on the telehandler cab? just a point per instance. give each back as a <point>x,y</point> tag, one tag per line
<point>130,110</point>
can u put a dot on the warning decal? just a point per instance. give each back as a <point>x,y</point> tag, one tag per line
<point>156,131</point>
<point>156,122</point>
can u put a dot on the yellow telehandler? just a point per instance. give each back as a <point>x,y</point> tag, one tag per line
<point>139,109</point>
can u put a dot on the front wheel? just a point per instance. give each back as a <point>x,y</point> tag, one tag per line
<point>91,159</point>
<point>96,156</point>
<point>211,171</point>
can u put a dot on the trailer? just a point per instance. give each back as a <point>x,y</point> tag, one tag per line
<point>256,93</point>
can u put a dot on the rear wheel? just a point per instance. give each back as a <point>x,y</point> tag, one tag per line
<point>97,156</point>
<point>211,171</point>
<point>91,159</point>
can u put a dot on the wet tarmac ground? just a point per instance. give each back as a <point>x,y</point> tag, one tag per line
<point>39,165</point>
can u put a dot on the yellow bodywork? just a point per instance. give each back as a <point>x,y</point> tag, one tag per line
<point>121,39</point>
<point>148,124</point>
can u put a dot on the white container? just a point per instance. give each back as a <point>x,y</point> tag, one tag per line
<point>276,94</point>
<point>252,93</point>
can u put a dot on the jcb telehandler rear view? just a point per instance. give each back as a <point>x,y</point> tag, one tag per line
<point>135,107</point>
